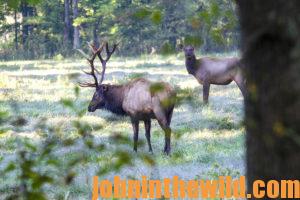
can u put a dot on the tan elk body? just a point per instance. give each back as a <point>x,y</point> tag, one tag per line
<point>134,99</point>
<point>217,71</point>
<point>139,103</point>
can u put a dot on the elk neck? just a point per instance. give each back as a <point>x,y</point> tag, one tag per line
<point>191,64</point>
<point>114,99</point>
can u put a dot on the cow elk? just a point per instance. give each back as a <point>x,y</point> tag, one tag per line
<point>218,71</point>
<point>135,99</point>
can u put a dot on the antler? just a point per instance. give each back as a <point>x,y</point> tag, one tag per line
<point>93,70</point>
<point>108,55</point>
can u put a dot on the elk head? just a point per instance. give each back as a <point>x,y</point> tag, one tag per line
<point>188,50</point>
<point>98,100</point>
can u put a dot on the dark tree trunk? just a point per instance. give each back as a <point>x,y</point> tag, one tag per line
<point>31,13</point>
<point>25,27</point>
<point>76,40</point>
<point>95,33</point>
<point>271,51</point>
<point>26,11</point>
<point>16,31</point>
<point>67,27</point>
<point>173,40</point>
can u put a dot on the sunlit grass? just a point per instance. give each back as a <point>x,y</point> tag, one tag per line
<point>203,135</point>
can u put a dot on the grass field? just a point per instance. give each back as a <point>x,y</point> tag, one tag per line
<point>212,137</point>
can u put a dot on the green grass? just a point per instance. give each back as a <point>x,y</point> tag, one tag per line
<point>204,136</point>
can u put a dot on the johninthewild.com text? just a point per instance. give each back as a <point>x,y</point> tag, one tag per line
<point>224,187</point>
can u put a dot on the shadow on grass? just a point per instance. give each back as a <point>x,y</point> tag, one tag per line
<point>155,65</point>
<point>213,124</point>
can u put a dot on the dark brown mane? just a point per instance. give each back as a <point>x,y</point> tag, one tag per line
<point>114,98</point>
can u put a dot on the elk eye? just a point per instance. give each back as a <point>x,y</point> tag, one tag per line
<point>105,88</point>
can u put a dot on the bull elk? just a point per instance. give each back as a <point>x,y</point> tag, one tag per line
<point>134,99</point>
<point>217,71</point>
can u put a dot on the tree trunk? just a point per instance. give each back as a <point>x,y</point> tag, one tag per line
<point>271,51</point>
<point>76,40</point>
<point>67,27</point>
<point>96,32</point>
<point>24,11</point>
<point>16,30</point>
<point>31,12</point>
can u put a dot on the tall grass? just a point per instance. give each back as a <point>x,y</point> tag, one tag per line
<point>206,140</point>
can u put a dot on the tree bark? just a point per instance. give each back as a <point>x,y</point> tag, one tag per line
<point>271,52</point>
<point>76,40</point>
<point>96,32</point>
<point>67,27</point>
<point>31,13</point>
<point>24,11</point>
<point>16,30</point>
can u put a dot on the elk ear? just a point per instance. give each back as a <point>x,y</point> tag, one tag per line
<point>180,46</point>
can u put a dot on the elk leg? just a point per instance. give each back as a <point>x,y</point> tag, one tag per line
<point>147,133</point>
<point>135,126</point>
<point>167,148</point>
<point>168,131</point>
<point>239,80</point>
<point>206,87</point>
<point>163,122</point>
<point>169,117</point>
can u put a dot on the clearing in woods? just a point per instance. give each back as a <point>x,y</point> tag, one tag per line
<point>212,137</point>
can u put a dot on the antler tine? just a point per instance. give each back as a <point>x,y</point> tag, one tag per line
<point>92,46</point>
<point>103,62</point>
<point>99,50</point>
<point>94,49</point>
<point>115,47</point>
<point>82,53</point>
<point>93,67</point>
<point>107,49</point>
<point>88,73</point>
<point>108,55</point>
<point>102,74</point>
<point>91,62</point>
<point>97,71</point>
<point>87,84</point>
<point>108,52</point>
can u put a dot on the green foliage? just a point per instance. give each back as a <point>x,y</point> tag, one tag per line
<point>4,117</point>
<point>142,13</point>
<point>193,40</point>
<point>220,27</point>
<point>141,26</point>
<point>14,4</point>
<point>58,57</point>
<point>216,171</point>
<point>156,88</point>
<point>156,17</point>
<point>167,49</point>
<point>38,165</point>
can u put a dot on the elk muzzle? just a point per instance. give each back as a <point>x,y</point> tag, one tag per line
<point>92,107</point>
<point>189,55</point>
